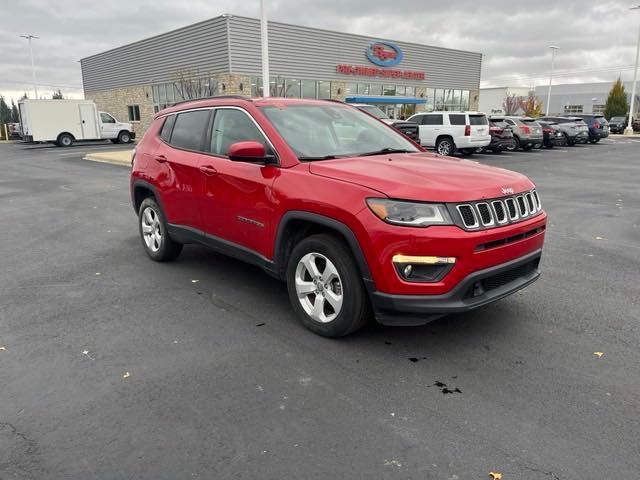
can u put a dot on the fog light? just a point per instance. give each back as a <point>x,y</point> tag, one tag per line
<point>406,271</point>
<point>423,269</point>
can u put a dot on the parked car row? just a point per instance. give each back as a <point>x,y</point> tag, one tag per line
<point>468,132</point>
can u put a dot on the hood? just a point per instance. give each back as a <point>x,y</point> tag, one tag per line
<point>424,177</point>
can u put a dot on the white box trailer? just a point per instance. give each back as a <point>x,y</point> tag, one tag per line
<point>65,121</point>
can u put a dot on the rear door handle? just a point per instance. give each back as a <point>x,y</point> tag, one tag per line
<point>208,170</point>
<point>160,158</point>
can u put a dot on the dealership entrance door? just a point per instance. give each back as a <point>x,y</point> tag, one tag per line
<point>395,107</point>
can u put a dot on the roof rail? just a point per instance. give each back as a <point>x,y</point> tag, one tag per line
<point>215,97</point>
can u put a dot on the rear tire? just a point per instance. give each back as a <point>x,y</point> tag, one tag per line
<point>325,287</point>
<point>445,146</point>
<point>64,140</point>
<point>154,233</point>
<point>517,146</point>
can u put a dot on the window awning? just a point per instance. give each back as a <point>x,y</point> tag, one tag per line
<point>384,99</point>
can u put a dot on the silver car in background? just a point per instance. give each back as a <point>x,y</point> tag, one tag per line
<point>526,131</point>
<point>575,130</point>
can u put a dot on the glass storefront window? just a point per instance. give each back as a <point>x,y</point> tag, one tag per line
<point>375,89</point>
<point>363,88</point>
<point>162,93</point>
<point>456,99</point>
<point>401,90</point>
<point>351,88</point>
<point>464,100</point>
<point>389,90</point>
<point>324,89</point>
<point>292,88</point>
<point>438,103</point>
<point>411,92</point>
<point>308,88</point>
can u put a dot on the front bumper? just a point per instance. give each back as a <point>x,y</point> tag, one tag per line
<point>477,289</point>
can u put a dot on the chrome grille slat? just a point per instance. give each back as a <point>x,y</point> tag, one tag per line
<point>498,212</point>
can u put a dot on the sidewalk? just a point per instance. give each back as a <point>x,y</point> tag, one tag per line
<point>619,136</point>
<point>117,157</point>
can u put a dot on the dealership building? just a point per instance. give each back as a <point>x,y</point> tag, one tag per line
<point>222,56</point>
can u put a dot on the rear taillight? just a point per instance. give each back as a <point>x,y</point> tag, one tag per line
<point>496,129</point>
<point>526,130</point>
<point>547,130</point>
<point>467,130</point>
<point>596,125</point>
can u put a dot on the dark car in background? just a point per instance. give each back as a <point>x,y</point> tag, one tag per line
<point>617,124</point>
<point>501,137</point>
<point>574,129</point>
<point>553,136</point>
<point>598,126</point>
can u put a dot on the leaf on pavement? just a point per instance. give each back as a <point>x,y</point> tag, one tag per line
<point>495,476</point>
<point>598,354</point>
<point>126,375</point>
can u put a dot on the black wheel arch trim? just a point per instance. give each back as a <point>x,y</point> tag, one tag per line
<point>148,186</point>
<point>344,230</point>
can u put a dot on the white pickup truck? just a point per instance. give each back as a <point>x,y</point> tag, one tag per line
<point>451,131</point>
<point>65,121</point>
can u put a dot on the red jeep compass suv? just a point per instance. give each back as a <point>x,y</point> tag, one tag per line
<point>357,219</point>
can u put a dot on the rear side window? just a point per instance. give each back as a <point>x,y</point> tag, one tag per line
<point>167,128</point>
<point>190,129</point>
<point>432,120</point>
<point>455,119</point>
<point>417,119</point>
<point>478,120</point>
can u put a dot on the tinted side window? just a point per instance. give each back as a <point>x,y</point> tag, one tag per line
<point>189,130</point>
<point>231,126</point>
<point>478,120</point>
<point>510,122</point>
<point>417,119</point>
<point>167,127</point>
<point>432,120</point>
<point>455,119</point>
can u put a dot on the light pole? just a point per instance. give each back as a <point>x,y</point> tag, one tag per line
<point>33,68</point>
<point>553,54</point>
<point>629,129</point>
<point>266,86</point>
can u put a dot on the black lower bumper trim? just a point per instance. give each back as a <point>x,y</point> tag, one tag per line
<point>478,289</point>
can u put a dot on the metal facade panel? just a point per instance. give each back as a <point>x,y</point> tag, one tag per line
<point>303,52</point>
<point>201,47</point>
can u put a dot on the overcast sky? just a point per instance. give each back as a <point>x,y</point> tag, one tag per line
<point>597,39</point>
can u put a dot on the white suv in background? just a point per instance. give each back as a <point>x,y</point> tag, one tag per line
<point>451,131</point>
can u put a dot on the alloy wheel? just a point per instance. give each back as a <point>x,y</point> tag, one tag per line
<point>319,287</point>
<point>151,232</point>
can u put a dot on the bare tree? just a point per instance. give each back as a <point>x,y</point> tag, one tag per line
<point>511,103</point>
<point>190,85</point>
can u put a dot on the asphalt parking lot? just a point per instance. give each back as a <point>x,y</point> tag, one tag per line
<point>116,367</point>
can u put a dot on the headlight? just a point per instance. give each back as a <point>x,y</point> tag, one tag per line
<point>409,214</point>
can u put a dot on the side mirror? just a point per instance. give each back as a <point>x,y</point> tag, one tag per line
<point>249,151</point>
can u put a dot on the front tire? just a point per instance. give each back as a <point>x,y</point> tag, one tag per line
<point>154,234</point>
<point>325,287</point>
<point>445,146</point>
<point>124,137</point>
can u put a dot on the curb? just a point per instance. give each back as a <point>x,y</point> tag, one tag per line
<point>121,158</point>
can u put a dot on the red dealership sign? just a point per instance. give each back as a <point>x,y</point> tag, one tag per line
<point>379,72</point>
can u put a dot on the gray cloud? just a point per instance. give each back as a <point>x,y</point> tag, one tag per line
<point>597,40</point>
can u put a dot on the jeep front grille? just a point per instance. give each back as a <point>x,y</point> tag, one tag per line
<point>479,215</point>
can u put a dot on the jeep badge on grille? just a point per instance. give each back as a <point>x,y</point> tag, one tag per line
<point>508,191</point>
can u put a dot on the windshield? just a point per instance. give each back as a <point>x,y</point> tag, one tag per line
<point>375,111</point>
<point>318,132</point>
<point>618,119</point>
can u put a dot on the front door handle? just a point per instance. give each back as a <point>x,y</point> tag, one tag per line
<point>160,158</point>
<point>208,170</point>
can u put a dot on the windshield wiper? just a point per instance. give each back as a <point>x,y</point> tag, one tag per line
<point>382,151</point>
<point>322,157</point>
